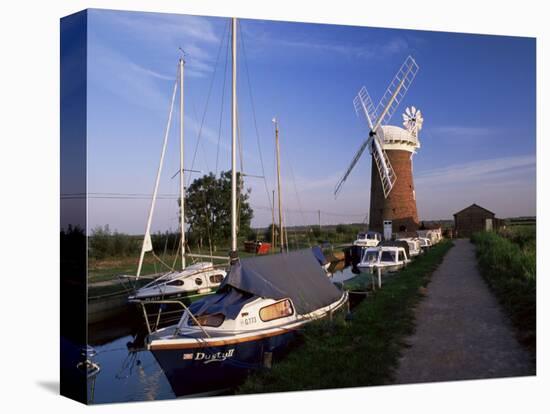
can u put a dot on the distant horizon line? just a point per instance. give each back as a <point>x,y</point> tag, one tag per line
<point>522,218</point>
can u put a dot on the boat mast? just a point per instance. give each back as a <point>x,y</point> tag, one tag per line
<point>273,222</point>
<point>233,254</point>
<point>182,180</point>
<point>281,235</point>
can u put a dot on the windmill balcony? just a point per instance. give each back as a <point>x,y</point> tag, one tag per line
<point>396,138</point>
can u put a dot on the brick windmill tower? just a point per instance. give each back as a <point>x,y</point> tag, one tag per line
<point>392,148</point>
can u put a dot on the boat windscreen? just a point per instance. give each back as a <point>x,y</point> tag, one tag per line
<point>371,256</point>
<point>388,256</point>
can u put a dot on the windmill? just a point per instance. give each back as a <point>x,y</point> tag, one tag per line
<point>392,190</point>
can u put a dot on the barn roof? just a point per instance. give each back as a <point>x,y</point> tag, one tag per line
<point>474,205</point>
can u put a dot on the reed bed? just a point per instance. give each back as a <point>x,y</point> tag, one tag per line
<point>507,261</point>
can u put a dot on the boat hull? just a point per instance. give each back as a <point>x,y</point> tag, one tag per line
<point>185,297</point>
<point>201,369</point>
<point>385,268</point>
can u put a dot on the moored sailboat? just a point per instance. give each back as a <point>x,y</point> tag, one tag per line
<point>261,305</point>
<point>189,282</point>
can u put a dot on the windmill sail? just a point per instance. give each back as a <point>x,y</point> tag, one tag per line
<point>352,165</point>
<point>363,103</point>
<point>396,91</point>
<point>381,115</point>
<point>385,169</point>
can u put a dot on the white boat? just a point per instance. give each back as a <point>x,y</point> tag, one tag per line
<point>259,307</point>
<point>415,247</point>
<point>425,243</point>
<point>368,239</point>
<point>194,281</point>
<point>435,234</point>
<point>387,258</point>
<point>189,281</point>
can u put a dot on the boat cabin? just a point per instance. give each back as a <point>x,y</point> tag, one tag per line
<point>414,244</point>
<point>389,258</point>
<point>368,239</point>
<point>195,279</point>
<point>425,243</point>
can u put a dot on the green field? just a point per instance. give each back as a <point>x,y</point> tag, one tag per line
<point>508,263</point>
<point>117,254</point>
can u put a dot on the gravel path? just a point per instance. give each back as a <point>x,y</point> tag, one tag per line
<point>461,331</point>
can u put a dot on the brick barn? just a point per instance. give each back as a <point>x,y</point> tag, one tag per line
<point>473,219</point>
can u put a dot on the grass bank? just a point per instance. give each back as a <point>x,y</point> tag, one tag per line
<point>361,352</point>
<point>508,263</point>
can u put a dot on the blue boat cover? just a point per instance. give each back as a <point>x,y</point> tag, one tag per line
<point>228,302</point>
<point>295,275</point>
<point>319,255</point>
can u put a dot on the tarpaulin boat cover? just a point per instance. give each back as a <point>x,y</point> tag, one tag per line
<point>295,275</point>
<point>228,302</point>
<point>319,255</point>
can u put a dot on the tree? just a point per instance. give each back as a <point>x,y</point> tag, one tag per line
<point>340,228</point>
<point>268,235</point>
<point>100,243</point>
<point>208,208</point>
<point>316,231</point>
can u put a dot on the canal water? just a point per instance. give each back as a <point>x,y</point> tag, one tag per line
<point>129,372</point>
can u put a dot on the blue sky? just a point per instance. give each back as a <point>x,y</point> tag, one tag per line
<point>476,92</point>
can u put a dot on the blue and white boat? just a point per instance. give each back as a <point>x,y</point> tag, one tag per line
<point>262,304</point>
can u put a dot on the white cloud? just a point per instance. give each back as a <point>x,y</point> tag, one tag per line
<point>134,83</point>
<point>266,41</point>
<point>195,35</point>
<point>476,171</point>
<point>456,131</point>
<point>504,185</point>
<point>146,71</point>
